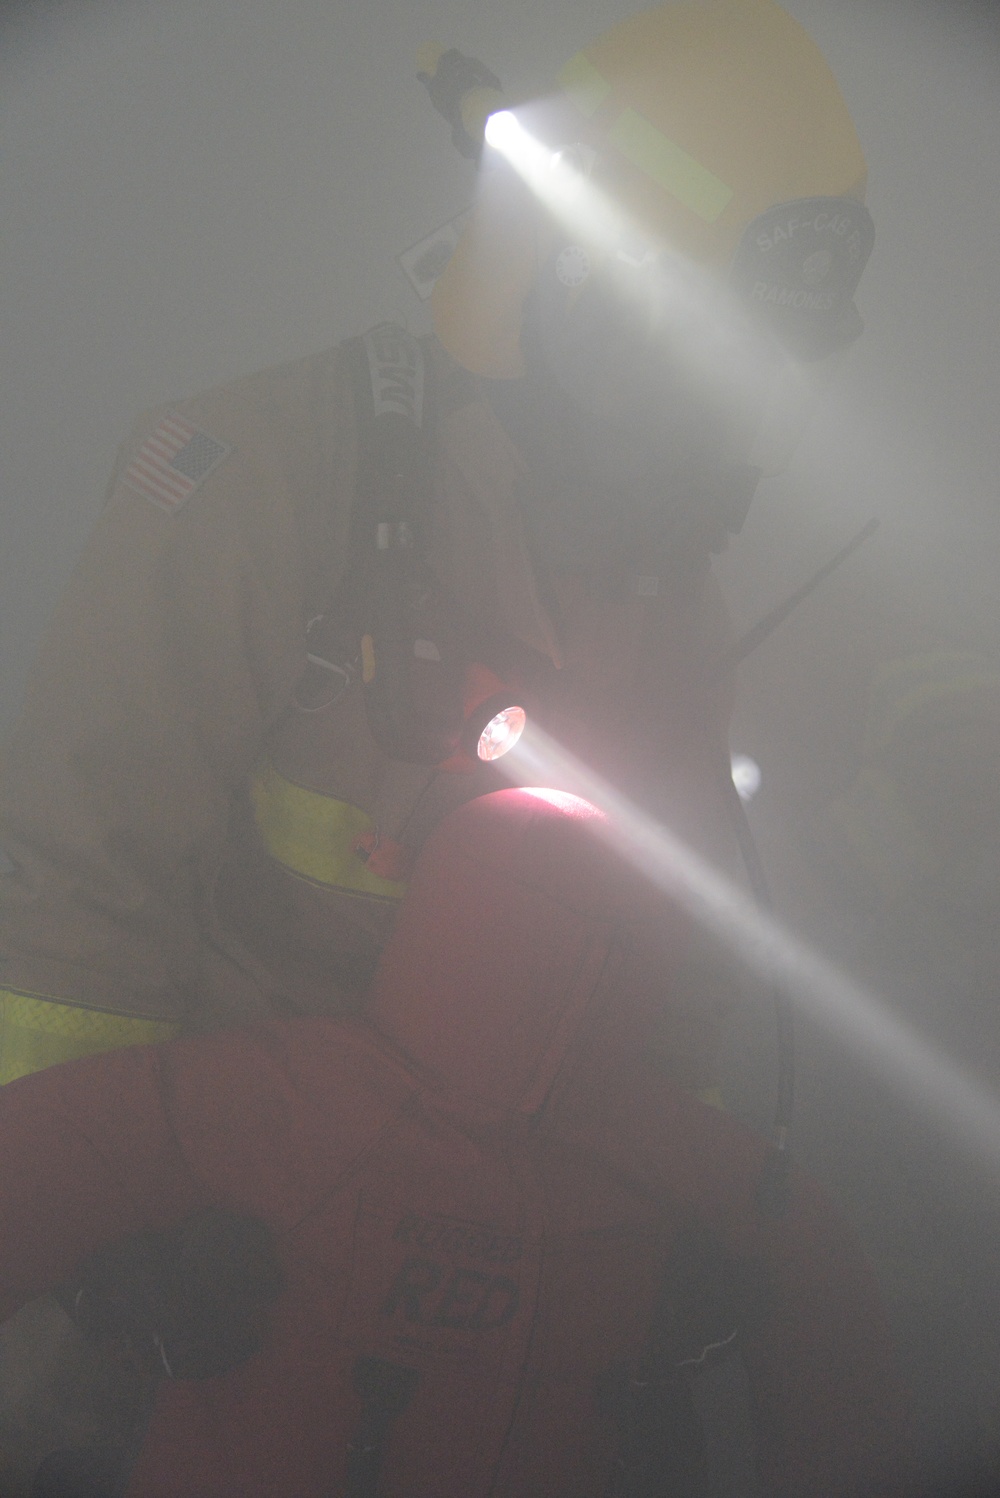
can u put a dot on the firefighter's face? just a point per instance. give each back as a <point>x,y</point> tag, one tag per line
<point>643,348</point>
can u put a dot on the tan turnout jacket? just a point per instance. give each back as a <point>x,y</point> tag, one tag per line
<point>181,833</point>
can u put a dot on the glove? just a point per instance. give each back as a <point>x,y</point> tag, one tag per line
<point>191,1301</point>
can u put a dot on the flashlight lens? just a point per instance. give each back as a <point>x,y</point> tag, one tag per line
<point>501,128</point>
<point>501,733</point>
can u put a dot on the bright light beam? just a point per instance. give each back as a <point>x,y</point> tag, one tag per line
<point>561,187</point>
<point>695,310</point>
<point>918,1069</point>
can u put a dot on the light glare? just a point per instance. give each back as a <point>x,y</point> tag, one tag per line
<point>693,309</point>
<point>746,776</point>
<point>501,131</point>
<point>917,1068</point>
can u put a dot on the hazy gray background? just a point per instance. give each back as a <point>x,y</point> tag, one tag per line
<point>198,188</point>
<point>195,189</point>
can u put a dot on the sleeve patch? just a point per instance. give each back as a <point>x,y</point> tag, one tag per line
<point>172,463</point>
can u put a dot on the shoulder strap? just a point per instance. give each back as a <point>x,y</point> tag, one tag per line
<point>412,666</point>
<point>391,615</point>
<point>389,378</point>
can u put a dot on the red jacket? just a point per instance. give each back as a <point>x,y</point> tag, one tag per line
<point>498,1228</point>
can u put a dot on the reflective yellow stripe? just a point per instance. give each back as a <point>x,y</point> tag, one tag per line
<point>584,84</point>
<point>660,158</point>
<point>314,835</point>
<point>645,145</point>
<point>36,1033</point>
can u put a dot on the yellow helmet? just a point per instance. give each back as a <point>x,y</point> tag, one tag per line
<point>709,119</point>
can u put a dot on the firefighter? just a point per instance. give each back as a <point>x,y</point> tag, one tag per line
<point>471,1243</point>
<point>248,711</point>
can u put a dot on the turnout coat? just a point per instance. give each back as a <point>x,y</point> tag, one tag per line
<point>181,815</point>
<point>476,1194</point>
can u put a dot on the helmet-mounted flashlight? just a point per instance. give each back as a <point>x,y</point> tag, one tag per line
<point>497,735</point>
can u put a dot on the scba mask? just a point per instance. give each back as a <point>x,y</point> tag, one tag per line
<point>695,363</point>
<point>662,377</point>
<point>797,269</point>
<point>643,341</point>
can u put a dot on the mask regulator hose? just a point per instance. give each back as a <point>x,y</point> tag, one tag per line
<point>772,1189</point>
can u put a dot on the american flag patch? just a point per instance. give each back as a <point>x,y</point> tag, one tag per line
<point>171,463</point>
